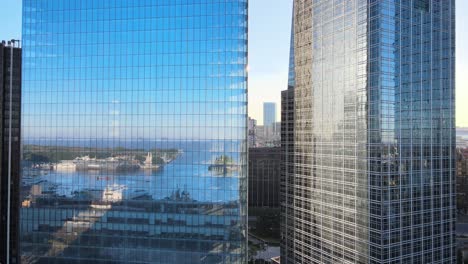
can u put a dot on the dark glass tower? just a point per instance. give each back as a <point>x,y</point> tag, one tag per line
<point>135,132</point>
<point>9,157</point>
<point>287,154</point>
<point>374,135</point>
<point>264,177</point>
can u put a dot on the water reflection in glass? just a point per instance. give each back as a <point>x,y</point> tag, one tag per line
<point>134,135</point>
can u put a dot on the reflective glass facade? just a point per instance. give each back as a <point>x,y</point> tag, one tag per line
<point>374,132</point>
<point>134,131</point>
<point>287,154</point>
<point>9,184</point>
<point>291,72</point>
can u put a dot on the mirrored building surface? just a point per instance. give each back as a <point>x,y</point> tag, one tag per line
<point>134,131</point>
<point>287,153</point>
<point>10,73</point>
<point>374,137</point>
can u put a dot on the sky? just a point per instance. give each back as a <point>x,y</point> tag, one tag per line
<point>269,34</point>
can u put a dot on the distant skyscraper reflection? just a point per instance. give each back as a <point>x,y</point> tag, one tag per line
<point>134,128</point>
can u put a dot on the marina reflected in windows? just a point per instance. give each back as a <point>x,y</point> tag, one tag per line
<point>134,132</point>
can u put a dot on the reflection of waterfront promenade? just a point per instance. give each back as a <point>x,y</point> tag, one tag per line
<point>145,223</point>
<point>180,213</point>
<point>118,159</point>
<point>120,163</point>
<point>117,164</point>
<point>157,184</point>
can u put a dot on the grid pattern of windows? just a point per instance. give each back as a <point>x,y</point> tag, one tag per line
<point>287,168</point>
<point>374,133</point>
<point>287,154</point>
<point>411,131</point>
<point>264,177</point>
<point>134,125</point>
<point>13,227</point>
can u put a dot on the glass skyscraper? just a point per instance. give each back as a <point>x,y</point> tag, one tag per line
<point>134,131</point>
<point>374,135</point>
<point>269,114</point>
<point>269,119</point>
<point>287,153</point>
<point>9,149</point>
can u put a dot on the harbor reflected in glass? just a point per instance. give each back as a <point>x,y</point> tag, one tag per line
<point>134,132</point>
<point>123,173</point>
